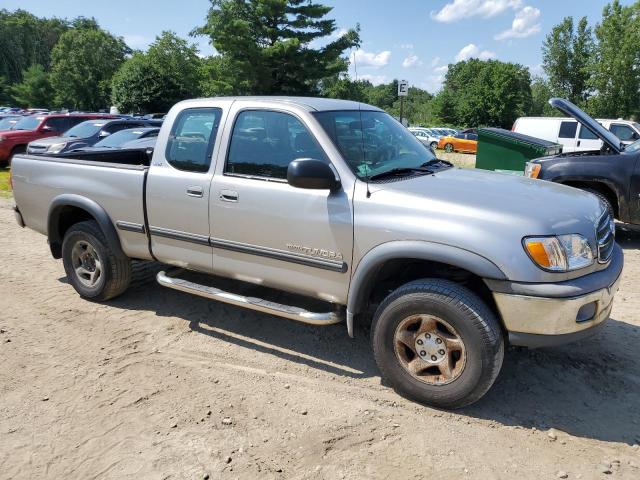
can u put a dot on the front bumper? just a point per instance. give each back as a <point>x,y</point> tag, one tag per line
<point>537,315</point>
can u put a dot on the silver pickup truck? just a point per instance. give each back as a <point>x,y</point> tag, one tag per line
<point>338,208</point>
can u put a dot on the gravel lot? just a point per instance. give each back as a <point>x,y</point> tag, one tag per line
<point>158,384</point>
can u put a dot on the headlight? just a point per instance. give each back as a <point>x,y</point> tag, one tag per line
<point>532,170</point>
<point>56,147</point>
<point>560,254</point>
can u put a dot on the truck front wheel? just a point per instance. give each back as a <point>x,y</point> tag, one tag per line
<point>92,267</point>
<point>438,343</point>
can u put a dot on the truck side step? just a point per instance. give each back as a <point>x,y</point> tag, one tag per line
<point>169,279</point>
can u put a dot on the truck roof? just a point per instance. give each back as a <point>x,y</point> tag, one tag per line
<point>310,103</point>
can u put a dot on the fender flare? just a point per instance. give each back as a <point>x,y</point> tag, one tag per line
<point>374,259</point>
<point>99,214</point>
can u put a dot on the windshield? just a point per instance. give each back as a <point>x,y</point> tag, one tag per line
<point>28,123</point>
<point>85,129</point>
<point>119,138</point>
<point>8,122</point>
<point>373,142</point>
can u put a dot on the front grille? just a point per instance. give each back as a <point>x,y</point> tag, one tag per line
<point>605,236</point>
<point>36,149</point>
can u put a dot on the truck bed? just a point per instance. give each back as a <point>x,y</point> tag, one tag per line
<point>115,181</point>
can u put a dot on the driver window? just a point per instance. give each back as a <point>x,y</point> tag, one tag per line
<point>623,132</point>
<point>263,143</point>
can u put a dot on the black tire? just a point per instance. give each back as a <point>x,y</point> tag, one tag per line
<point>605,201</point>
<point>16,151</point>
<point>434,146</point>
<point>115,271</point>
<point>475,324</point>
<point>448,148</point>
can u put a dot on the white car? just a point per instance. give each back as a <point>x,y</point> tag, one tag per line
<point>573,136</point>
<point>425,137</point>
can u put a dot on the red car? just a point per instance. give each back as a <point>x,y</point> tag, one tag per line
<point>35,127</point>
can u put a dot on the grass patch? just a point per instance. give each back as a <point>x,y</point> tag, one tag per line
<point>5,187</point>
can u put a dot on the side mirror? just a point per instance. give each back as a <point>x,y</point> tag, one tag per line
<point>47,128</point>
<point>103,134</point>
<point>312,174</point>
<point>149,154</point>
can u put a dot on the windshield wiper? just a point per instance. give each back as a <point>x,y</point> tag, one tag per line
<point>400,171</point>
<point>436,162</point>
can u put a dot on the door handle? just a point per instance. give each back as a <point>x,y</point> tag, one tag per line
<point>194,191</point>
<point>578,143</point>
<point>228,196</point>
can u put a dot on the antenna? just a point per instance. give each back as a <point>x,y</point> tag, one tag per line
<point>355,69</point>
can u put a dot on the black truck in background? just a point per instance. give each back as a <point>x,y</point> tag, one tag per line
<point>612,173</point>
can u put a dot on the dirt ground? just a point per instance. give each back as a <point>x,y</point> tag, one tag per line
<point>158,384</point>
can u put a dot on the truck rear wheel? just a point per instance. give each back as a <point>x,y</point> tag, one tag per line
<point>438,343</point>
<point>92,267</point>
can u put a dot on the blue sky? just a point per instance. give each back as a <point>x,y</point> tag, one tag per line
<point>411,39</point>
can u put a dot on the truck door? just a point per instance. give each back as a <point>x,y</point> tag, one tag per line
<point>587,140</point>
<point>178,188</point>
<point>567,135</point>
<point>267,232</point>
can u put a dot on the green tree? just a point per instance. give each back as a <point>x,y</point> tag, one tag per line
<point>168,72</point>
<point>35,89</point>
<point>346,89</point>
<point>484,93</point>
<point>83,62</point>
<point>540,95</point>
<point>26,40</point>
<point>616,66</point>
<point>566,55</point>
<point>267,45</point>
<point>5,97</point>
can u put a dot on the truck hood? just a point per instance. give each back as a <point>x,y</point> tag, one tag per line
<point>508,205</point>
<point>59,139</point>
<point>568,108</point>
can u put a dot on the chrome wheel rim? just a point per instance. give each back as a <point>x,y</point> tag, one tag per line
<point>86,263</point>
<point>429,349</point>
<point>449,148</point>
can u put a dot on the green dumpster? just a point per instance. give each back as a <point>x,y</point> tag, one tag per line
<point>505,151</point>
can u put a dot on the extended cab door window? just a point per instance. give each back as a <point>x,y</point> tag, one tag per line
<point>263,143</point>
<point>192,137</point>
<point>587,140</point>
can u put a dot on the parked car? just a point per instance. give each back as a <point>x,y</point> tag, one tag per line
<point>280,192</point>
<point>35,127</point>
<point>611,173</point>
<point>8,121</point>
<point>461,142</point>
<point>120,139</point>
<point>573,136</point>
<point>141,144</point>
<point>425,138</point>
<point>83,135</point>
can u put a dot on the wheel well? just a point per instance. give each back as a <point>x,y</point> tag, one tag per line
<point>66,217</point>
<point>394,273</point>
<point>599,187</point>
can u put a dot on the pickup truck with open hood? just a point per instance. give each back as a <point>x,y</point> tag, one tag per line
<point>326,211</point>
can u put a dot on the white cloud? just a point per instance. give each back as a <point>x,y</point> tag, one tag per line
<point>137,41</point>
<point>473,51</point>
<point>524,24</point>
<point>441,69</point>
<point>435,61</point>
<point>341,32</point>
<point>459,9</point>
<point>374,79</point>
<point>406,46</point>
<point>370,59</point>
<point>411,61</point>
